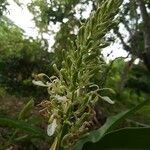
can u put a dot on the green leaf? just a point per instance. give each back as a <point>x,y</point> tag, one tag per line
<point>96,135</point>
<point>26,110</point>
<point>26,137</point>
<point>22,125</point>
<point>124,139</point>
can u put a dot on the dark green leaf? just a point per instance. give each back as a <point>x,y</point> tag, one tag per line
<point>111,122</point>
<point>124,139</point>
<point>26,110</point>
<point>22,125</point>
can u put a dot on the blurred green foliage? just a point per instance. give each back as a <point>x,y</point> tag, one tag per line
<point>3,4</point>
<point>20,58</point>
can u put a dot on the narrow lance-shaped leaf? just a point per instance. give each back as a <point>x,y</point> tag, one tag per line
<point>22,125</point>
<point>26,110</point>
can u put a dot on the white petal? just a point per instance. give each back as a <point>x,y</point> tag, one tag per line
<point>107,99</point>
<point>61,98</point>
<point>51,128</point>
<point>39,83</point>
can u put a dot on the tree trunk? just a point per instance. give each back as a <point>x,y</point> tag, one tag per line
<point>146,31</point>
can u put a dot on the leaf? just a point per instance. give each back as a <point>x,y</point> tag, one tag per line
<point>26,109</point>
<point>124,139</point>
<point>24,138</point>
<point>22,125</point>
<point>96,135</point>
<point>54,145</point>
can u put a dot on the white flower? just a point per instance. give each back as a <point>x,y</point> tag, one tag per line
<point>51,128</point>
<point>61,98</point>
<point>107,99</point>
<point>40,83</point>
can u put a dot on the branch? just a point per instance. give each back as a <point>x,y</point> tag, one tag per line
<point>124,75</point>
<point>125,46</point>
<point>127,27</point>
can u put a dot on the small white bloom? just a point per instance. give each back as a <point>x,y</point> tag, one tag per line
<point>107,99</point>
<point>39,83</point>
<point>61,98</point>
<point>51,128</point>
